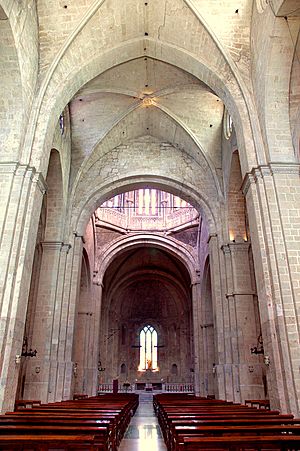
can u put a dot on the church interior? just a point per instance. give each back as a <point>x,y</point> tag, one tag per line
<point>150,199</point>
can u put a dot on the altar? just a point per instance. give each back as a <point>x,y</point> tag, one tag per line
<point>148,386</point>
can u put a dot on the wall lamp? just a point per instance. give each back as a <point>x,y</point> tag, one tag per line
<point>25,351</point>
<point>100,367</point>
<point>259,348</point>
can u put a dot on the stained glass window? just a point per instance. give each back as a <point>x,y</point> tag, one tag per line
<point>148,348</point>
<point>62,123</point>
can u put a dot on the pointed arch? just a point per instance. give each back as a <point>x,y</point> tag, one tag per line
<point>148,348</point>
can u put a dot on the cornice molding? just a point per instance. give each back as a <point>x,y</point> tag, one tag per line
<point>212,235</point>
<point>56,245</point>
<point>267,170</point>
<point>52,245</point>
<point>235,247</point>
<point>237,293</point>
<point>24,170</point>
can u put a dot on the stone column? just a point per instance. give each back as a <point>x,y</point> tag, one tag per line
<point>21,194</point>
<point>164,204</point>
<point>223,379</point>
<point>95,345</point>
<point>57,356</point>
<point>196,299</point>
<point>273,203</point>
<point>70,299</point>
<point>86,342</point>
<point>130,205</point>
<point>41,374</point>
<point>243,331</point>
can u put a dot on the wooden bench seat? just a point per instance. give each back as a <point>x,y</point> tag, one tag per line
<point>96,423</point>
<point>244,442</point>
<point>194,424</point>
<point>259,403</point>
<point>181,432</point>
<point>115,426</point>
<point>104,433</point>
<point>53,442</point>
<point>26,403</point>
<point>210,425</point>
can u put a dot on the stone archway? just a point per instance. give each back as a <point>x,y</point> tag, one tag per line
<point>146,285</point>
<point>130,244</point>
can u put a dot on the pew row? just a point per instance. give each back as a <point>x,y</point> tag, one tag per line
<point>189,422</point>
<point>85,424</point>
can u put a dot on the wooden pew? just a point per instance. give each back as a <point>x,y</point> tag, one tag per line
<point>243,442</point>
<point>96,423</point>
<point>187,422</point>
<point>260,403</point>
<point>79,396</point>
<point>182,432</point>
<point>25,403</point>
<point>58,419</point>
<point>44,442</point>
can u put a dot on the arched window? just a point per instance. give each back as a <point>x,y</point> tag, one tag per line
<point>227,124</point>
<point>62,123</point>
<point>148,349</point>
<point>174,369</point>
<point>146,202</point>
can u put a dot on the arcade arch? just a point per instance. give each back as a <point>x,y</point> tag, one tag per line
<point>240,70</point>
<point>145,286</point>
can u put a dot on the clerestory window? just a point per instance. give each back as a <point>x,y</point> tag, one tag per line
<point>148,349</point>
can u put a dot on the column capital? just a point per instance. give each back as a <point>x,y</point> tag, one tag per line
<point>196,280</point>
<point>234,247</point>
<point>98,283</point>
<point>267,170</point>
<point>8,167</point>
<point>40,181</point>
<point>56,245</point>
<point>65,247</point>
<point>211,236</point>
<point>226,249</point>
<point>240,293</point>
<point>195,283</point>
<point>77,235</point>
<point>24,170</point>
<point>52,245</point>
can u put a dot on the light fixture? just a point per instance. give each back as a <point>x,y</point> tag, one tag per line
<point>267,360</point>
<point>259,348</point>
<point>100,367</point>
<point>75,368</point>
<point>231,236</point>
<point>18,359</point>
<point>25,352</point>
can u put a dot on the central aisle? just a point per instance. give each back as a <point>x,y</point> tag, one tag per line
<point>143,433</point>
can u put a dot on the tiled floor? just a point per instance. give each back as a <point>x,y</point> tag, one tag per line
<point>143,433</point>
